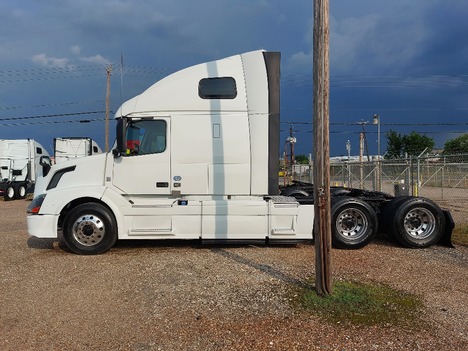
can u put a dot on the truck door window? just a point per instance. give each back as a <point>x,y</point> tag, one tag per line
<point>146,137</point>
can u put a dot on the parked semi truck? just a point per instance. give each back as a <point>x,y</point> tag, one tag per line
<point>74,147</point>
<point>20,166</point>
<point>197,157</point>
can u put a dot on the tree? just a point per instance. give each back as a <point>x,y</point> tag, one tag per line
<point>302,159</point>
<point>412,144</point>
<point>394,144</point>
<point>457,146</point>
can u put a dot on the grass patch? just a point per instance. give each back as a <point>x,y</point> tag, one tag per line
<point>460,235</point>
<point>362,304</point>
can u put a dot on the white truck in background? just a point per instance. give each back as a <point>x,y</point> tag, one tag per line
<point>197,157</point>
<point>22,161</point>
<point>74,147</point>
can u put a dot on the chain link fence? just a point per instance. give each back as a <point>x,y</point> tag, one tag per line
<point>443,179</point>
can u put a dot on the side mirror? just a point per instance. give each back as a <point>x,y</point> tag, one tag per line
<point>120,136</point>
<point>46,164</point>
<point>116,153</point>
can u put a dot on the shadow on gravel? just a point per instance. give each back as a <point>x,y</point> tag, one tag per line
<point>42,244</point>
<point>264,268</point>
<point>122,246</point>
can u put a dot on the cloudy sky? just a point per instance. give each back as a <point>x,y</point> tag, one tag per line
<point>406,61</point>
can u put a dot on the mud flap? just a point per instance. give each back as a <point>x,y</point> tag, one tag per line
<point>446,239</point>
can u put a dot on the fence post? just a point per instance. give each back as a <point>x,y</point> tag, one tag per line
<point>409,171</point>
<point>443,179</point>
<point>416,187</point>
<point>378,174</point>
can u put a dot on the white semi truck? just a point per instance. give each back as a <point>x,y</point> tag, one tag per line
<point>20,161</point>
<point>197,157</point>
<point>66,148</point>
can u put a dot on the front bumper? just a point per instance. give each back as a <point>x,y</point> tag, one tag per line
<point>42,226</point>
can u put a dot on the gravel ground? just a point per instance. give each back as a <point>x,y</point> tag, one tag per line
<point>176,296</point>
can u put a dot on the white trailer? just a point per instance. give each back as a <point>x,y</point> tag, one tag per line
<point>74,147</point>
<point>196,157</point>
<point>22,161</point>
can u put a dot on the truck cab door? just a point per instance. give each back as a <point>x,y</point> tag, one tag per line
<point>144,169</point>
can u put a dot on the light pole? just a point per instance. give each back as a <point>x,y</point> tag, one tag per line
<point>376,120</point>
<point>348,148</point>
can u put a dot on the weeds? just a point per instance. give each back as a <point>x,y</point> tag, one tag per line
<point>460,235</point>
<point>362,304</point>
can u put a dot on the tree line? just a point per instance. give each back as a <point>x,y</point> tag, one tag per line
<point>411,145</point>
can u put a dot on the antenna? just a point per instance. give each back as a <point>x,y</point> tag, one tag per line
<point>121,76</point>
<point>109,72</point>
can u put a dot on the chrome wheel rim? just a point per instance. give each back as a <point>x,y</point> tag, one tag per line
<point>89,230</point>
<point>420,223</point>
<point>352,224</point>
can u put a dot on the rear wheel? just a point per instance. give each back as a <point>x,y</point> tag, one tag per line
<point>354,223</point>
<point>415,222</point>
<point>21,191</point>
<point>89,229</point>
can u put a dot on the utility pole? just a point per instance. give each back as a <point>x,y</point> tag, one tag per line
<point>291,140</point>
<point>348,149</point>
<point>108,71</point>
<point>363,123</point>
<point>321,77</point>
<point>361,159</point>
<point>376,120</point>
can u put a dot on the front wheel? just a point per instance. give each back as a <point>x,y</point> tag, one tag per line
<point>89,229</point>
<point>354,223</point>
<point>10,193</point>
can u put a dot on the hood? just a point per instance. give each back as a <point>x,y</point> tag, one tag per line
<point>82,171</point>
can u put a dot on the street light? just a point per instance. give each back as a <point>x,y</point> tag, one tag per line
<point>376,120</point>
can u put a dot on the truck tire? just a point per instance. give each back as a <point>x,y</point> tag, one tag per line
<point>389,212</point>
<point>21,191</point>
<point>415,222</point>
<point>354,223</point>
<point>9,193</point>
<point>89,229</point>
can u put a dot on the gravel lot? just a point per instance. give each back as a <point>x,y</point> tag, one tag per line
<point>176,296</point>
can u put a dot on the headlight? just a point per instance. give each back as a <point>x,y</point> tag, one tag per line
<point>35,206</point>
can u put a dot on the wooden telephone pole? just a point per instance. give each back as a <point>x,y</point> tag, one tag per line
<point>321,77</point>
<point>108,71</point>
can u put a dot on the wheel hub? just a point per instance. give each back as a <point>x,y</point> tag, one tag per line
<point>89,230</point>
<point>420,223</point>
<point>348,223</point>
<point>352,224</point>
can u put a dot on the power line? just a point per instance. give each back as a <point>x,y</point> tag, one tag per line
<point>385,124</point>
<point>382,81</point>
<point>51,105</point>
<point>372,132</point>
<point>52,116</point>
<point>30,75</point>
<point>52,122</point>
